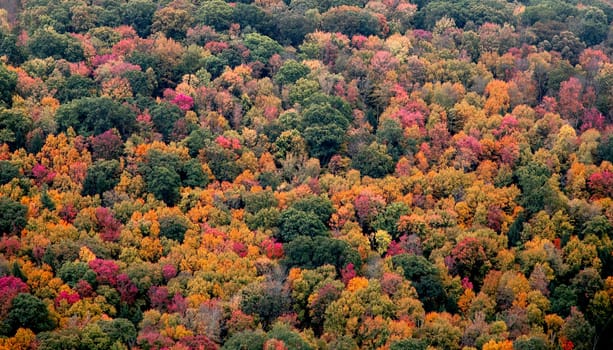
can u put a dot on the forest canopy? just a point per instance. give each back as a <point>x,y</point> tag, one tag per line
<point>300,174</point>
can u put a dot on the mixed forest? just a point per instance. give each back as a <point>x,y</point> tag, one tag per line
<point>304,174</point>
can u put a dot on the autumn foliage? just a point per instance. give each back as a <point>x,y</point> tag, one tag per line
<point>306,175</point>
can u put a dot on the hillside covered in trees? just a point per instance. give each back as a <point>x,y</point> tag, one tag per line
<point>338,174</point>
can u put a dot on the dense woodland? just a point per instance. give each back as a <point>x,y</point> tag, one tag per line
<point>306,174</point>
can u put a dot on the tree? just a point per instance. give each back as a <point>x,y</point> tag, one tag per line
<point>578,330</point>
<point>222,162</point>
<point>84,18</point>
<point>324,127</point>
<point>164,183</point>
<point>536,190</point>
<point>290,72</point>
<point>164,116</point>
<point>570,105</point>
<point>388,219</point>
<point>409,344</point>
<point>391,134</point>
<point>103,334</point>
<point>109,227</point>
<point>478,12</point>
<point>373,161</point>
<point>498,97</point>
<point>593,25</point>
<point>361,303</point>
<point>173,22</point>
<point>586,284</point>
<point>8,82</point>
<point>425,277</point>
<point>604,84</point>
<point>299,93</point>
<point>318,205</point>
<point>92,337</point>
<point>198,342</point>
<point>173,227</point>
<point>350,20</point>
<point>267,300</point>
<point>320,299</point>
<point>107,145</point>
<point>308,302</point>
<point>267,218</point>
<point>563,299</point>
<point>9,48</point>
<point>321,109</point>
<point>72,272</point>
<point>101,176</point>
<point>307,252</point>
<point>139,15</point>
<point>49,43</point>
<point>12,216</point>
<point>291,339</point>
<point>28,311</point>
<point>253,16</point>
<point>61,339</point>
<point>439,332</point>
<point>246,340</point>
<point>601,184</point>
<point>215,13</point>
<point>192,174</point>
<point>45,199</point>
<point>95,115</point>
<point>14,127</point>
<point>530,343</point>
<point>324,142</point>
<point>75,87</point>
<point>294,223</point>
<point>8,172</point>
<point>261,47</point>
<point>142,83</point>
<point>470,259</point>
<point>254,202</point>
<point>196,141</point>
<point>10,287</point>
<point>547,11</point>
<point>367,206</point>
<point>600,314</point>
<point>565,42</point>
<point>295,27</point>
